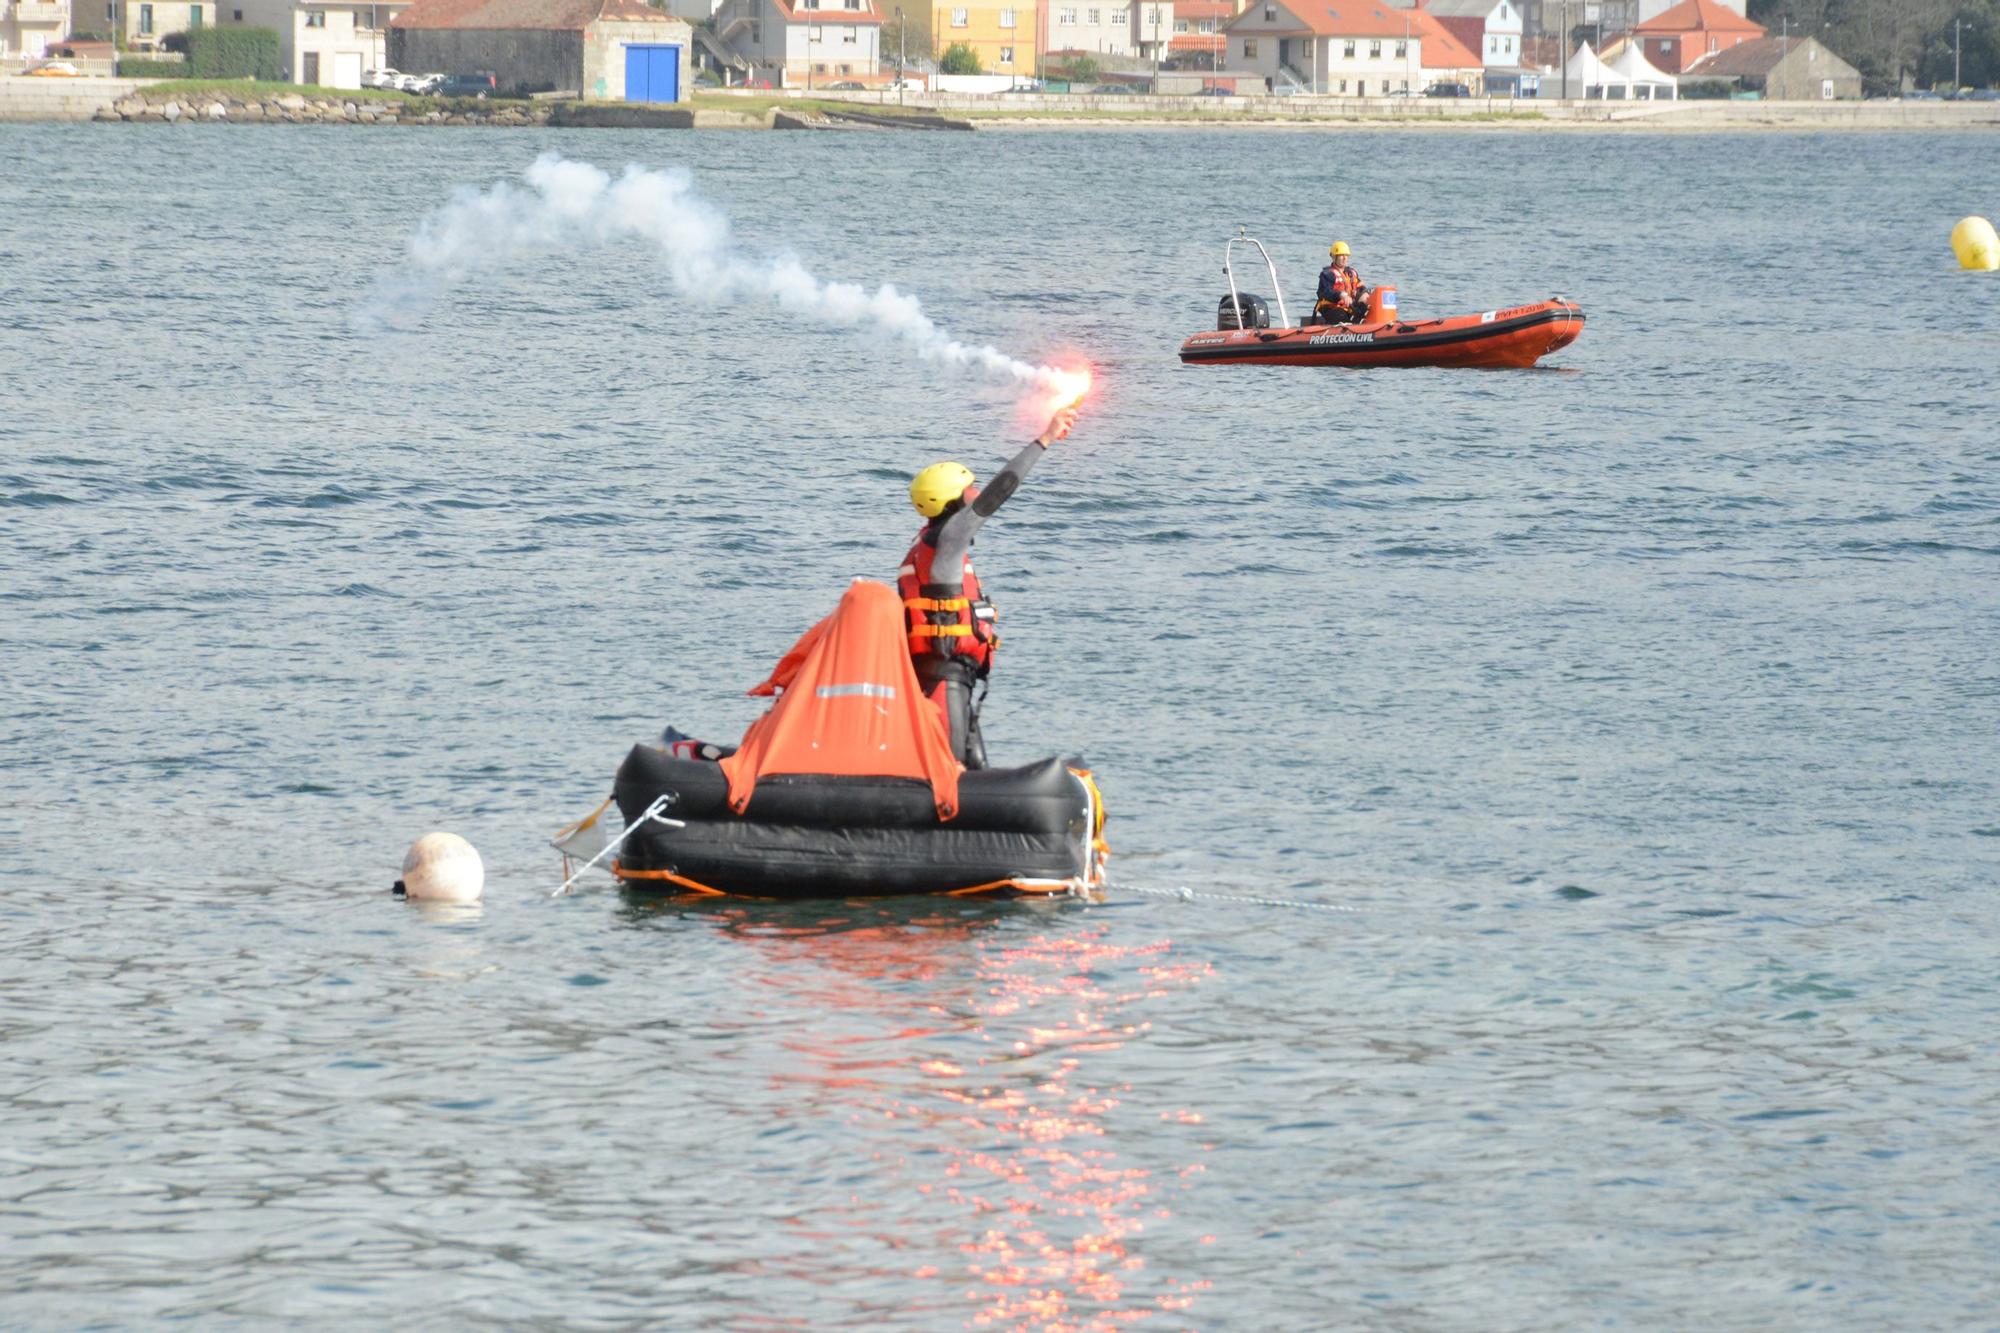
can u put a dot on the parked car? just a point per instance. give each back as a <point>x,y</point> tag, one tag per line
<point>1213,91</point>
<point>55,69</point>
<point>468,85</point>
<point>1983,95</point>
<point>1448,90</point>
<point>847,86</point>
<point>379,78</point>
<point>1109,89</point>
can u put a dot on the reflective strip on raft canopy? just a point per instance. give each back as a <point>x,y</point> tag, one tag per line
<point>853,691</point>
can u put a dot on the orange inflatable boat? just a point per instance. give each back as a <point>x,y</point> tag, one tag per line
<point>1516,337</point>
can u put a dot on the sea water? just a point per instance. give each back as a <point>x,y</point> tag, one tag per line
<point>1637,713</point>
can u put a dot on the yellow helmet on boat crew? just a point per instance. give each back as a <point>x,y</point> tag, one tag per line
<point>1338,248</point>
<point>937,486</point>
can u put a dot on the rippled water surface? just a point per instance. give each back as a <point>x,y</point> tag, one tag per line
<point>1639,710</point>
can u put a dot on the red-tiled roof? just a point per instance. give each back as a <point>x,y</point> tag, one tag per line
<point>1203,9</point>
<point>1699,16</point>
<point>1440,49</point>
<point>1198,41</point>
<point>540,14</point>
<point>1754,58</point>
<point>797,13</point>
<point>1345,18</point>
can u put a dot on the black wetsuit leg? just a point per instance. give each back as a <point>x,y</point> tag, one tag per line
<point>948,682</point>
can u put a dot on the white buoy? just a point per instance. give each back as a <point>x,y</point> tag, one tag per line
<point>442,868</point>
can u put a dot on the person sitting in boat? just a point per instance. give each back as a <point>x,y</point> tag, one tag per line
<point>1342,298</point>
<point>952,626</point>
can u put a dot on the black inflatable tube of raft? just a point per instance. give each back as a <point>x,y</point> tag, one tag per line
<point>821,837</point>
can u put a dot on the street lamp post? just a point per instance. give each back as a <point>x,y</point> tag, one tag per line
<point>1565,49</point>
<point>1156,46</point>
<point>1956,24</point>
<point>902,50</point>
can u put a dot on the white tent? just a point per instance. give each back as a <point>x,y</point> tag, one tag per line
<point>1587,76</point>
<point>1640,76</point>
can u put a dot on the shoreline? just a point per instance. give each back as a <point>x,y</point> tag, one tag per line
<point>149,100</point>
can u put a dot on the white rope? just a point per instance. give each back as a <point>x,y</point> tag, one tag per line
<point>1187,895</point>
<point>652,813</point>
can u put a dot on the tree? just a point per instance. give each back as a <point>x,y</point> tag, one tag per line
<point>1076,68</point>
<point>958,58</point>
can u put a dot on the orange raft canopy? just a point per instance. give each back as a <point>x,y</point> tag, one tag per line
<point>851,707</point>
<point>847,787</point>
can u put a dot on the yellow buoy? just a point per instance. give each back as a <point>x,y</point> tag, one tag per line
<point>1977,248</point>
<point>442,867</point>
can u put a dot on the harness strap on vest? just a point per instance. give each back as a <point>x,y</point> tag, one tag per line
<point>937,603</point>
<point>939,631</point>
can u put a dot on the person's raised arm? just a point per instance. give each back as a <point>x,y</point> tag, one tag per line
<point>955,537</point>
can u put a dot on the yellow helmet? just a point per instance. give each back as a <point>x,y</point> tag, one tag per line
<point>937,486</point>
<point>1339,248</point>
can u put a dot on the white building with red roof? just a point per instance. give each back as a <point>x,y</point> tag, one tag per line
<point>1354,48</point>
<point>804,43</point>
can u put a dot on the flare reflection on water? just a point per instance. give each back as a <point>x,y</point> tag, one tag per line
<point>959,1053</point>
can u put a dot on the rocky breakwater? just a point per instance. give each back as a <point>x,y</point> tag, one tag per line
<point>296,109</point>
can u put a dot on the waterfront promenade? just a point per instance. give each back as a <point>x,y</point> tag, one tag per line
<point>97,99</point>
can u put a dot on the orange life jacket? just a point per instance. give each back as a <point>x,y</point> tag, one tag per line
<point>965,625</point>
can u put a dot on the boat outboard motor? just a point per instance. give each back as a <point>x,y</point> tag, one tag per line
<point>1242,311</point>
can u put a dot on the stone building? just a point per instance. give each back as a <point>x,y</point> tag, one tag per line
<point>604,50</point>
<point>1790,69</point>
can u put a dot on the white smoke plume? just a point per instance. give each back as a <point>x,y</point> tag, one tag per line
<point>570,205</point>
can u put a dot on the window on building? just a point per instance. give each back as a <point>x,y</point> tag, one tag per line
<point>1093,17</point>
<point>1270,14</point>
<point>1343,85</point>
<point>1006,18</point>
<point>854,4</point>
<point>1006,55</point>
<point>1374,50</point>
<point>1066,18</point>
<point>1348,51</point>
<point>1181,25</point>
<point>1361,87</point>
<point>1249,48</point>
<point>237,15</point>
<point>194,16</point>
<point>959,18</point>
<point>145,20</point>
<point>316,18</point>
<point>1402,50</point>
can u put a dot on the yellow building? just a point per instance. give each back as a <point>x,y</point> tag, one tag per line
<point>1002,33</point>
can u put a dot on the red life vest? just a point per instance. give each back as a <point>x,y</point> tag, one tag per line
<point>965,625</point>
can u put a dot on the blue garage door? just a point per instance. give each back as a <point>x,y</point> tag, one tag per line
<point>652,74</point>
